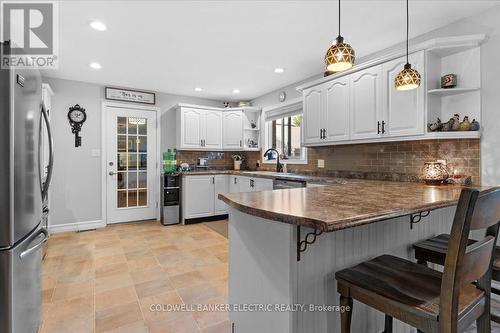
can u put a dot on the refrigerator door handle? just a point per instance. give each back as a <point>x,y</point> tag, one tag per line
<point>35,247</point>
<point>50,167</point>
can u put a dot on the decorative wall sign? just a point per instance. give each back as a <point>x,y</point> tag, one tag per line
<point>76,117</point>
<point>126,95</point>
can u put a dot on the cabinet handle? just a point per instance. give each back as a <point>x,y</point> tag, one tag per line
<point>324,133</point>
<point>235,180</point>
<point>378,127</point>
<point>383,127</point>
<point>251,182</point>
<point>240,143</point>
<point>321,133</point>
<point>213,180</point>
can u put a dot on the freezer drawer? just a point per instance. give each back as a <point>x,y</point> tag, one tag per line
<point>21,285</point>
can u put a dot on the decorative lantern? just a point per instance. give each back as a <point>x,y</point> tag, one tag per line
<point>434,173</point>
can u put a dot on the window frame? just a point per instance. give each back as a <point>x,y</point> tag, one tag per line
<point>283,111</point>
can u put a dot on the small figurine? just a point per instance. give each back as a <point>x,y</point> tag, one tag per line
<point>474,126</point>
<point>456,122</point>
<point>437,126</point>
<point>448,126</point>
<point>465,125</point>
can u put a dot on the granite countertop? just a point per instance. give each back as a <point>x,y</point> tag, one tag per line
<point>347,205</point>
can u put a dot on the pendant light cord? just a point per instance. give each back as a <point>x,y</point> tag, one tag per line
<point>339,17</point>
<point>407,30</point>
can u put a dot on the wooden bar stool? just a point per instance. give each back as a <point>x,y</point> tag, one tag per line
<point>434,250</point>
<point>424,298</point>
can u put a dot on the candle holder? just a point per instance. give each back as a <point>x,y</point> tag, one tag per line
<point>434,173</point>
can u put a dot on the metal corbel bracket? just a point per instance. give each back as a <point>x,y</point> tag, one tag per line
<point>308,240</point>
<point>416,218</point>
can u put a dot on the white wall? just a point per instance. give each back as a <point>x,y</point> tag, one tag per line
<point>76,183</point>
<point>486,23</point>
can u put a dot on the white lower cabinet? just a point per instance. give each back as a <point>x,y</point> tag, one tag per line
<point>199,195</point>
<point>221,185</point>
<point>200,192</point>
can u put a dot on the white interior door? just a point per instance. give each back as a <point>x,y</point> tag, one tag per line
<point>131,164</point>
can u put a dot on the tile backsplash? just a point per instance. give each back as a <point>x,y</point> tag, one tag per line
<point>401,161</point>
<point>389,160</point>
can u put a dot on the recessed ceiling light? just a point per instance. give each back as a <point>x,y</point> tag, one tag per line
<point>198,89</point>
<point>279,70</point>
<point>236,91</point>
<point>99,26</point>
<point>95,65</point>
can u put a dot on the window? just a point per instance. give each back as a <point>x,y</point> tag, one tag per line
<point>285,134</point>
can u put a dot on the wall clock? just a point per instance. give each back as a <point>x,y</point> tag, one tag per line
<point>282,96</point>
<point>76,117</point>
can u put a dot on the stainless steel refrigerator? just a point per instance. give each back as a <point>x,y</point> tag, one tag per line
<point>22,117</point>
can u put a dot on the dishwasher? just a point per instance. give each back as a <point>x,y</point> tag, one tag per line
<point>283,184</point>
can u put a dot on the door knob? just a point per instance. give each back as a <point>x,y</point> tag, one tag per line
<point>111,173</point>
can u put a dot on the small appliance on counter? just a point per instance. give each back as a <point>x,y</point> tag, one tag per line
<point>171,199</point>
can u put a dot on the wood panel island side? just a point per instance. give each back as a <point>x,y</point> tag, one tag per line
<point>271,266</point>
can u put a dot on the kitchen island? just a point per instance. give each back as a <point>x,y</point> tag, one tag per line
<point>286,245</point>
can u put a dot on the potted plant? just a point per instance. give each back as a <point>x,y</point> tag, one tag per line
<point>237,161</point>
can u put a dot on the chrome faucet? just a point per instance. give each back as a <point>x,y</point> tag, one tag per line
<point>279,166</point>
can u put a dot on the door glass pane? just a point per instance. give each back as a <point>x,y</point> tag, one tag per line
<point>121,162</point>
<point>122,125</point>
<point>122,180</point>
<point>143,198</point>
<point>131,166</point>
<point>142,144</point>
<point>143,180</point>
<point>122,199</point>
<point>132,180</point>
<point>132,198</point>
<point>122,143</point>
<point>142,163</point>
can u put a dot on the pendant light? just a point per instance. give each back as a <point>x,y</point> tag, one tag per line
<point>340,56</point>
<point>408,78</point>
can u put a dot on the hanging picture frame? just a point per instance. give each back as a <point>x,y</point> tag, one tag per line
<point>127,95</point>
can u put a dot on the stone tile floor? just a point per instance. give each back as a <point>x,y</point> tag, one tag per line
<point>106,280</point>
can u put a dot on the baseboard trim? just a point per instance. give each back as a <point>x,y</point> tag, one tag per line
<point>77,226</point>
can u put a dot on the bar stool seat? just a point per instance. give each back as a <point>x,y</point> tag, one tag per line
<point>394,285</point>
<point>434,250</point>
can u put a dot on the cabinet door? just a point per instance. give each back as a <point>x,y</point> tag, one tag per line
<point>198,196</point>
<point>212,130</point>
<point>233,129</point>
<point>245,184</point>
<point>221,186</point>
<point>234,184</point>
<point>405,109</point>
<point>191,125</point>
<point>312,105</point>
<point>336,115</point>
<point>366,96</point>
<point>263,184</point>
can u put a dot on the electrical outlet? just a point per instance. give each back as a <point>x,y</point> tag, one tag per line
<point>321,163</point>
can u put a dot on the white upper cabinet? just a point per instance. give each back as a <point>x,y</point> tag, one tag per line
<point>405,109</point>
<point>190,125</point>
<point>313,109</point>
<point>212,129</point>
<point>233,129</point>
<point>336,115</point>
<point>366,103</point>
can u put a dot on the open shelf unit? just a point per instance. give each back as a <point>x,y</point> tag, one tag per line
<point>251,115</point>
<point>462,59</point>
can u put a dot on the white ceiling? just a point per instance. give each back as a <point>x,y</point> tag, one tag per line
<point>175,46</point>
